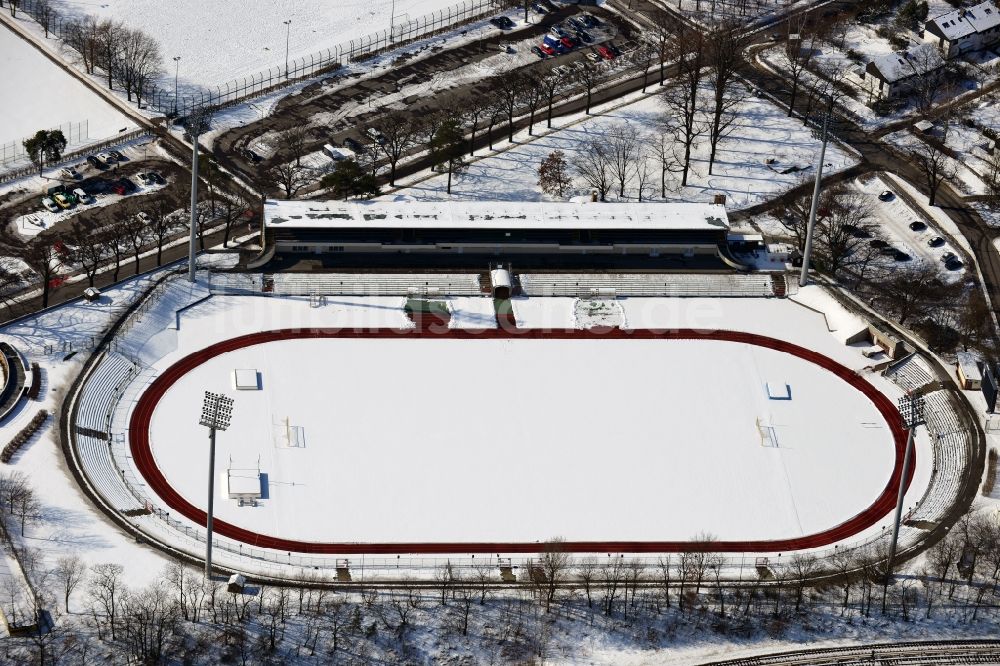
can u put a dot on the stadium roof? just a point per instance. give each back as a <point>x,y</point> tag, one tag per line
<point>504,214</point>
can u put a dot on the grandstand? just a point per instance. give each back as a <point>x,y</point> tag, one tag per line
<point>475,234</point>
<point>910,372</point>
<point>645,284</point>
<point>374,284</point>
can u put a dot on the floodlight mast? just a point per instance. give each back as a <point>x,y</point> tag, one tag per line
<point>911,412</point>
<point>823,135</point>
<point>216,414</point>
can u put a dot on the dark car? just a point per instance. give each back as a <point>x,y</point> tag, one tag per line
<point>937,241</point>
<point>561,31</point>
<point>502,22</point>
<point>590,20</point>
<point>539,9</point>
<point>577,23</point>
<point>548,5</point>
<point>953,264</point>
<point>155,177</point>
<point>901,256</point>
<point>117,155</point>
<point>918,226</point>
<point>252,156</point>
<point>94,162</point>
<point>538,51</point>
<point>584,37</point>
<point>118,188</point>
<point>878,243</point>
<point>354,146</point>
<point>129,185</point>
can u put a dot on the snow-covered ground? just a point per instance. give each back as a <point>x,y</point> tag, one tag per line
<point>227,39</point>
<point>741,173</point>
<point>39,95</point>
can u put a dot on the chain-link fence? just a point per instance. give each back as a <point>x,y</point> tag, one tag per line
<point>76,133</point>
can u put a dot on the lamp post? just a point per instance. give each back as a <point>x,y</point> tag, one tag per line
<point>216,413</point>
<point>288,36</point>
<point>177,69</point>
<point>823,135</point>
<point>911,412</point>
<point>197,121</point>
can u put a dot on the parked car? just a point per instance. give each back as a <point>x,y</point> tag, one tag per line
<point>106,158</point>
<point>568,42</point>
<point>94,162</point>
<point>502,22</point>
<point>156,178</point>
<point>584,37</point>
<point>118,188</point>
<point>593,57</point>
<point>937,241</point>
<point>129,185</point>
<point>605,52</point>
<point>50,205</point>
<point>547,50</point>
<point>375,135</point>
<point>119,157</point>
<point>590,20</point>
<point>62,201</point>
<point>548,5</point>
<point>561,70</point>
<point>947,256</point>
<point>561,31</point>
<point>252,156</point>
<point>918,226</point>
<point>577,22</point>
<point>354,146</point>
<point>538,51</point>
<point>953,264</point>
<point>143,179</point>
<point>901,256</point>
<point>82,197</point>
<point>69,173</point>
<point>886,195</point>
<point>539,9</point>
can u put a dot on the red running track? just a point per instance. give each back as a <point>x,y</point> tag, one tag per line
<point>143,456</point>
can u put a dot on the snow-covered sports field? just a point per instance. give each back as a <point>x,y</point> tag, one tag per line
<point>374,433</point>
<point>387,440</point>
<point>42,96</point>
<point>226,39</point>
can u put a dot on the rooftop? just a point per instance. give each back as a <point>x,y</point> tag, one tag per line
<point>904,64</point>
<point>960,23</point>
<point>507,215</point>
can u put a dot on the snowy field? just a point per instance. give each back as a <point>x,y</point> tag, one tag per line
<point>48,98</point>
<point>762,131</point>
<point>227,39</point>
<point>450,465</point>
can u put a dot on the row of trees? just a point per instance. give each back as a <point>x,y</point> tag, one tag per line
<point>630,599</point>
<point>127,56</point>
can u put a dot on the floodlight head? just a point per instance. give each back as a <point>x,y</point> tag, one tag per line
<point>911,410</point>
<point>216,411</point>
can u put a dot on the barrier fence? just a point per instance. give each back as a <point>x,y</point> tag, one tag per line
<point>75,133</point>
<point>73,155</point>
<point>163,99</point>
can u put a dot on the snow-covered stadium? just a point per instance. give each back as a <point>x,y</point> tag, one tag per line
<point>383,420</point>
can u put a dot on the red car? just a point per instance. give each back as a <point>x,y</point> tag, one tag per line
<point>118,189</point>
<point>547,50</point>
<point>568,42</point>
<point>606,53</point>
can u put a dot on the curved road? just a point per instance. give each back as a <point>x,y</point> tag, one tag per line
<point>929,653</point>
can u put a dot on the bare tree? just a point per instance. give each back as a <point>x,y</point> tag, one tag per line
<point>725,55</point>
<point>554,562</point>
<point>70,571</point>
<point>159,225</point>
<point>105,589</point>
<point>532,94</point>
<point>593,164</point>
<point>89,250</point>
<point>399,134</point>
<point>296,139</point>
<point>551,83</point>
<point>138,62</point>
<point>510,89</point>
<point>289,178</point>
<point>682,101</point>
<point>45,14</point>
<point>623,151</point>
<point>935,164</point>
<point>40,254</point>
